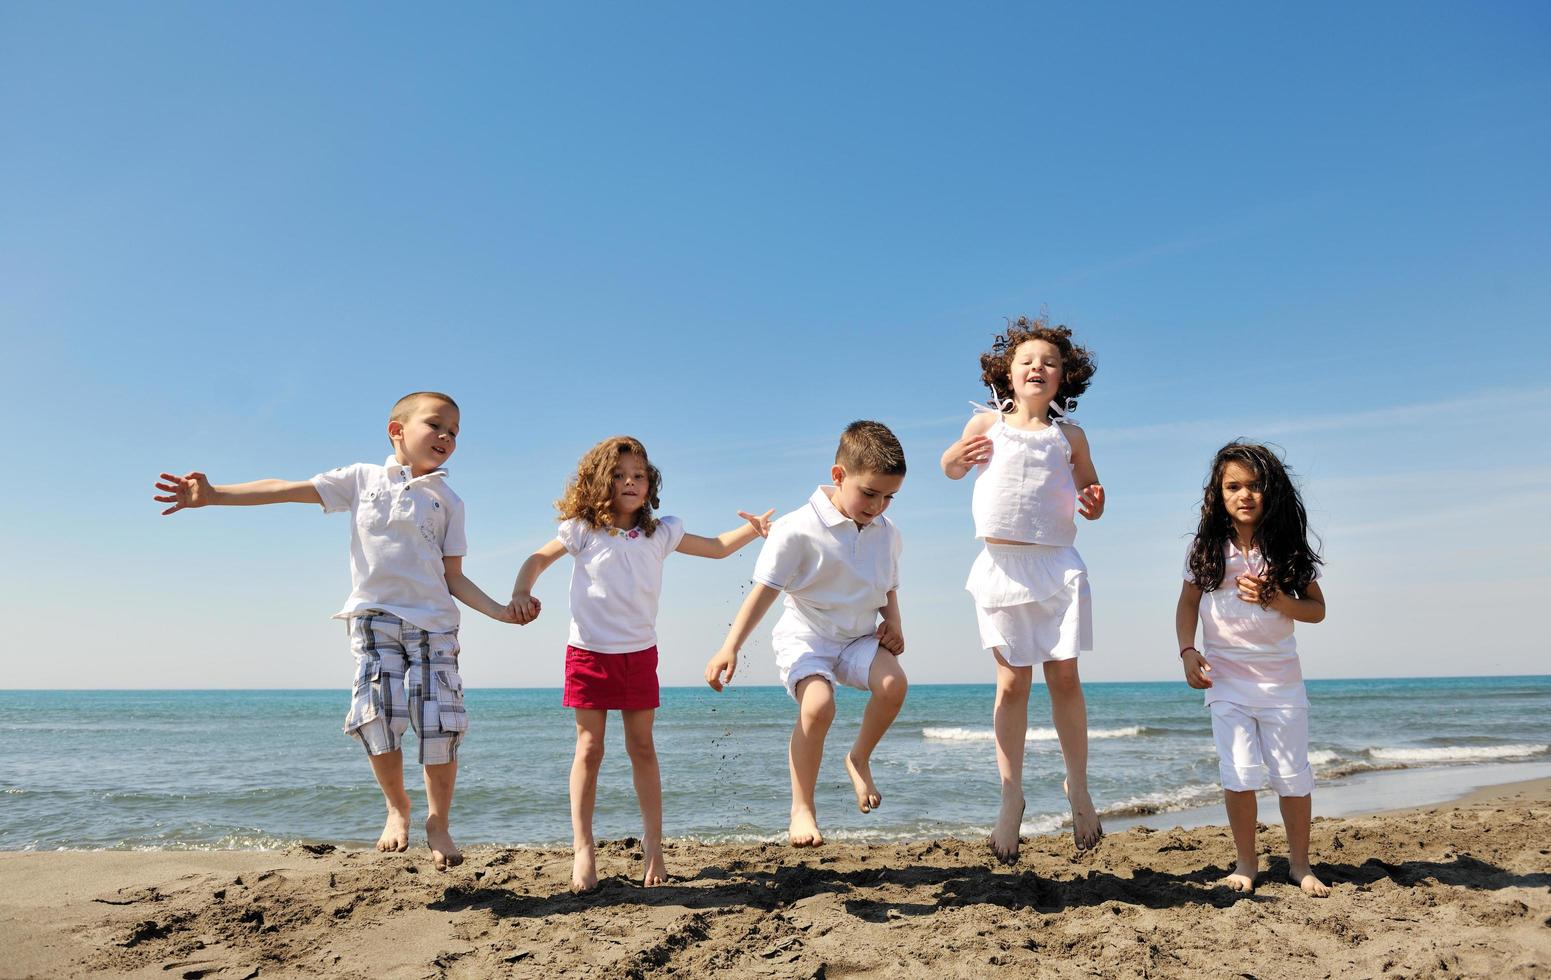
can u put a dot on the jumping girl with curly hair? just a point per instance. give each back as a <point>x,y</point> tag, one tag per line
<point>1029,584</point>
<point>609,525</point>
<point>1252,563</point>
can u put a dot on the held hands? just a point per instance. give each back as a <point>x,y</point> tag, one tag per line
<point>759,522</point>
<point>188,490</point>
<point>891,638</point>
<point>523,609</point>
<point>719,669</point>
<point>1090,501</point>
<point>1196,668</point>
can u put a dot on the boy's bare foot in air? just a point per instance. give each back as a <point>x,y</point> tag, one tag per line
<point>444,853</point>
<point>584,870</point>
<point>867,796</point>
<point>655,872</point>
<point>1004,836</point>
<point>1242,879</point>
<point>1086,828</point>
<point>1304,878</point>
<point>804,831</point>
<point>395,832</point>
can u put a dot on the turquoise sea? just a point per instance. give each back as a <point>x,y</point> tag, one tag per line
<point>265,769</point>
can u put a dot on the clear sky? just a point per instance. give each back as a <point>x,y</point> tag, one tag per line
<point>232,235</point>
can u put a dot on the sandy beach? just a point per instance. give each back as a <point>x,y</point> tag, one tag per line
<point>1462,889</point>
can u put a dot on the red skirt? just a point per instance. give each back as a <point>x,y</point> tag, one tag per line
<point>611,681</point>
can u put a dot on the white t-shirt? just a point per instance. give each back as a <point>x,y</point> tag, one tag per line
<point>616,581</point>
<point>402,528</point>
<point>836,574</point>
<point>1253,654</point>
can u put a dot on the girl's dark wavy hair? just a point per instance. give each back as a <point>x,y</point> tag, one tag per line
<point>1077,364</point>
<point>1283,533</point>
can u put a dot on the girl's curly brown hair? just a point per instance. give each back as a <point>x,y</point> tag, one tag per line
<point>1077,365</point>
<point>591,491</point>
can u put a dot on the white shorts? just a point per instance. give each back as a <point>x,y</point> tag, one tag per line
<point>1257,745</point>
<point>1032,602</point>
<point>802,653</point>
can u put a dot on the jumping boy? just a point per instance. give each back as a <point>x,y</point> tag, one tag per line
<point>406,565</point>
<point>837,560</point>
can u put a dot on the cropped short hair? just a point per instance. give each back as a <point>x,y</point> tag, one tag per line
<point>406,405</point>
<point>869,447</point>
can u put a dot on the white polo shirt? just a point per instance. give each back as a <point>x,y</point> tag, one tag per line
<point>836,576</point>
<point>616,581</point>
<point>1253,654</point>
<point>402,528</point>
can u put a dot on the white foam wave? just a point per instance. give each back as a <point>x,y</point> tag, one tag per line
<point>1032,735</point>
<point>1460,753</point>
<point>1323,757</point>
<point>1183,798</point>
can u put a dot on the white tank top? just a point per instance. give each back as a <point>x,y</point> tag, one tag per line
<point>1026,492</point>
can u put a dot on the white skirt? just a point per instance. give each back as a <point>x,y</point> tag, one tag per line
<point>1032,602</point>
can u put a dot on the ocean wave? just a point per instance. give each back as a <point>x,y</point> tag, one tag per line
<point>1323,757</point>
<point>1186,797</point>
<point>1032,735</point>
<point>1459,753</point>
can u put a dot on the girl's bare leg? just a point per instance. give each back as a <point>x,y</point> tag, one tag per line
<point>1296,814</point>
<point>815,713</point>
<point>584,794</point>
<point>1069,714</point>
<point>1241,820</point>
<point>887,682</point>
<point>648,791</point>
<point>1011,721</point>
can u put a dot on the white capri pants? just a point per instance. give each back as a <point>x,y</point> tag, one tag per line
<point>1258,745</point>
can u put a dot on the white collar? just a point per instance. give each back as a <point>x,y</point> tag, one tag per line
<point>827,511</point>
<point>404,470</point>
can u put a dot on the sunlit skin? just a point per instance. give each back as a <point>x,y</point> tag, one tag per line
<point>1243,497</point>
<point>1034,376</point>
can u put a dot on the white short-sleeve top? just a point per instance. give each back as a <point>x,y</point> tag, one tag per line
<point>1025,492</point>
<point>616,581</point>
<point>403,526</point>
<point>836,574</point>
<point>1252,652</point>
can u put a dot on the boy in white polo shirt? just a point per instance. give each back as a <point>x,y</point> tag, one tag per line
<point>837,560</point>
<point>406,565</point>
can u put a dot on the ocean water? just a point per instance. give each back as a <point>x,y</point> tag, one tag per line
<point>265,769</point>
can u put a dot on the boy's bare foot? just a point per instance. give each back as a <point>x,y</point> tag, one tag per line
<point>1312,886</point>
<point>395,832</point>
<point>655,872</point>
<point>444,853</point>
<point>584,870</point>
<point>1005,835</point>
<point>804,831</point>
<point>868,798</point>
<point>1086,827</point>
<point>1242,879</point>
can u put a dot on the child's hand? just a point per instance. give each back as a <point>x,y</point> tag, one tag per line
<point>760,522</point>
<point>891,638</point>
<point>1090,501</point>
<point>720,668</point>
<point>525,608</point>
<point>188,490</point>
<point>1196,668</point>
<point>1254,588</point>
<point>971,451</point>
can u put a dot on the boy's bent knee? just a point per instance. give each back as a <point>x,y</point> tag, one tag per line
<point>891,688</point>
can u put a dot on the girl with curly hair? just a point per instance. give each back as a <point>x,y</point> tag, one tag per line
<point>609,525</point>
<point>1252,563</point>
<point>1030,586</point>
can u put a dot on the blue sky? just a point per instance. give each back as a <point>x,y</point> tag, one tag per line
<point>230,237</point>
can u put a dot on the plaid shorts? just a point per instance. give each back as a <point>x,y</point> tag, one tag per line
<point>405,676</point>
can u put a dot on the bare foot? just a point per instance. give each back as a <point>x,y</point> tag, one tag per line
<point>804,831</point>
<point>1005,835</point>
<point>656,872</point>
<point>1312,886</point>
<point>584,870</point>
<point>444,853</point>
<point>1086,828</point>
<point>868,798</point>
<point>1242,879</point>
<point>395,832</point>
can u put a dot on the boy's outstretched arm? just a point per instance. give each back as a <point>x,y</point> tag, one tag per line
<point>465,591</point>
<point>720,668</point>
<point>525,608</point>
<point>891,635</point>
<point>728,542</point>
<point>194,490</point>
